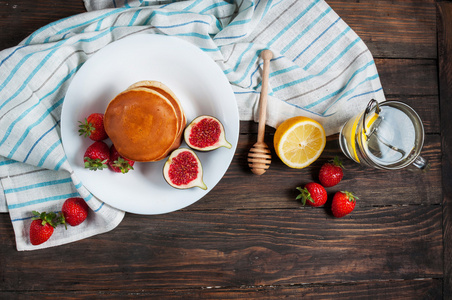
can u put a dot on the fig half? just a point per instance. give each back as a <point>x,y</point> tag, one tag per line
<point>206,133</point>
<point>183,170</point>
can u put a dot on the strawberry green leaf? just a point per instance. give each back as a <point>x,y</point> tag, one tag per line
<point>86,128</point>
<point>337,162</point>
<point>123,165</point>
<point>46,218</point>
<point>304,195</point>
<point>351,197</point>
<point>95,164</point>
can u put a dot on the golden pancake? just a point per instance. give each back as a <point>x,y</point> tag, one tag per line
<point>174,146</point>
<point>142,124</point>
<point>169,94</point>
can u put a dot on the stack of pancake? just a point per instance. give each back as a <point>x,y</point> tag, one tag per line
<point>145,122</point>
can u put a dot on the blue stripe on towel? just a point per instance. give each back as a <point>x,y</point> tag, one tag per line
<point>325,49</point>
<point>60,163</point>
<point>54,48</point>
<point>27,80</point>
<point>193,5</point>
<point>296,19</point>
<point>257,69</point>
<point>267,8</point>
<point>37,122</point>
<point>11,54</point>
<point>239,59</point>
<point>169,13</point>
<point>369,78</point>
<point>100,207</point>
<point>229,37</point>
<point>309,27</point>
<point>323,71</point>
<point>316,39</point>
<point>25,113</point>
<point>89,197</point>
<point>215,5</point>
<point>340,90</point>
<point>47,153</point>
<point>250,65</point>
<point>134,17</point>
<point>8,162</point>
<point>37,185</point>
<point>39,139</point>
<point>42,200</point>
<point>85,23</point>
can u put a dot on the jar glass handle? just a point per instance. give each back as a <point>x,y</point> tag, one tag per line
<point>369,107</point>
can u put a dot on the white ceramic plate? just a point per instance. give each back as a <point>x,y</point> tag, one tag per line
<point>202,89</point>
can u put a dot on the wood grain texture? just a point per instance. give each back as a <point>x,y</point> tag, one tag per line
<point>445,75</point>
<point>391,289</point>
<point>394,29</point>
<point>408,77</point>
<point>23,17</point>
<point>239,248</point>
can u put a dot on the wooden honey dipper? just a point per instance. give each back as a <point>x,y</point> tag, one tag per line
<point>259,157</point>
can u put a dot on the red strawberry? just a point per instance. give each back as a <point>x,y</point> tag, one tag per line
<point>331,173</point>
<point>314,193</point>
<point>75,210</point>
<point>118,163</point>
<point>93,127</point>
<point>97,156</point>
<point>42,226</point>
<point>343,203</point>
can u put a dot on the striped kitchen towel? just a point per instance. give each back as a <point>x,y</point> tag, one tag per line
<point>321,69</point>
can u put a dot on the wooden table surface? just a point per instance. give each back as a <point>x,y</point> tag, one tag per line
<point>249,238</point>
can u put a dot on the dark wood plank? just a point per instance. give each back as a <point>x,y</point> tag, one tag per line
<point>237,248</point>
<point>23,17</point>
<point>398,289</point>
<point>445,75</point>
<point>402,29</point>
<point>408,77</point>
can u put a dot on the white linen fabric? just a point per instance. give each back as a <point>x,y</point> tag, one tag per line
<point>320,69</point>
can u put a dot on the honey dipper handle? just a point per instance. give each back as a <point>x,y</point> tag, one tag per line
<point>266,56</point>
